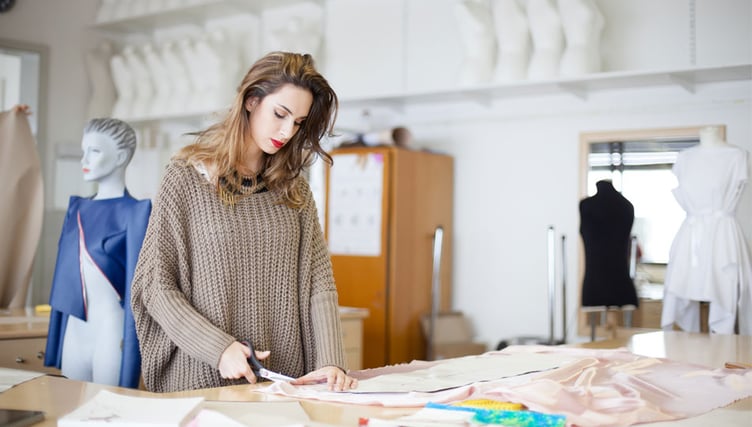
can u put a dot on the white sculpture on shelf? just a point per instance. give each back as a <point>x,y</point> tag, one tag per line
<point>192,81</point>
<point>178,71</point>
<point>215,59</point>
<point>161,80</point>
<point>142,82</point>
<point>298,28</point>
<point>121,10</point>
<point>548,39</point>
<point>583,24</point>
<point>106,11</point>
<point>476,29</point>
<point>512,39</point>
<point>103,91</point>
<point>124,86</point>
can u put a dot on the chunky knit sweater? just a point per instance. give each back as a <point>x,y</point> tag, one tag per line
<point>209,274</point>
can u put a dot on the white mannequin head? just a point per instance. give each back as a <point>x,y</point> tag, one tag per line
<point>108,146</point>
<point>711,136</point>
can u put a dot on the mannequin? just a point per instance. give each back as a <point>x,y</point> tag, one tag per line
<point>226,68</point>
<point>121,77</point>
<point>512,39</point>
<point>606,220</point>
<point>478,40</point>
<point>300,33</point>
<point>583,24</point>
<point>709,259</point>
<point>712,136</point>
<point>103,94</point>
<point>548,39</point>
<point>178,72</point>
<point>106,11</point>
<point>161,78</point>
<point>91,333</point>
<point>142,81</point>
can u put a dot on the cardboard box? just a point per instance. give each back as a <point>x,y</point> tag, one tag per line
<point>453,336</point>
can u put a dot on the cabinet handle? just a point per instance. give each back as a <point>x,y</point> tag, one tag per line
<point>40,355</point>
<point>20,359</point>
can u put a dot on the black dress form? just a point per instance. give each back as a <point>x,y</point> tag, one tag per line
<point>605,225</point>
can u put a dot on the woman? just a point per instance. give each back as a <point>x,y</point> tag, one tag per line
<point>234,250</point>
<point>91,332</point>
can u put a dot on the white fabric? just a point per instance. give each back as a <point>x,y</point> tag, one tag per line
<point>709,259</point>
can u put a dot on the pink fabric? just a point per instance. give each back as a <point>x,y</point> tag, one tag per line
<point>601,388</point>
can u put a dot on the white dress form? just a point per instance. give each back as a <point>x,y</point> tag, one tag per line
<point>178,71</point>
<point>709,260</point>
<point>192,82</point>
<point>124,87</point>
<point>476,28</point>
<point>106,11</point>
<point>583,24</point>
<point>227,71</point>
<point>103,93</point>
<point>142,82</point>
<point>512,39</point>
<point>161,79</point>
<point>548,39</point>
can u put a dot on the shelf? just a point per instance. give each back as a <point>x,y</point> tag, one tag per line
<point>197,13</point>
<point>580,87</point>
<point>686,79</point>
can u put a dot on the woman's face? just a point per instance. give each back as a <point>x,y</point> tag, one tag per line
<point>101,156</point>
<point>277,117</point>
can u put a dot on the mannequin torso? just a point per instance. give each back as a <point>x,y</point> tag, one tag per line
<point>548,39</point>
<point>582,23</point>
<point>513,40</point>
<point>478,41</point>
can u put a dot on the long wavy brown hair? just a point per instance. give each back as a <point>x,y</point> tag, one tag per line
<point>223,144</point>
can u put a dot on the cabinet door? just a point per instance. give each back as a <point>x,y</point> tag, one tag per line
<point>422,185</point>
<point>361,273</point>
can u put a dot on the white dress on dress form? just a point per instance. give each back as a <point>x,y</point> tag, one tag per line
<point>709,259</point>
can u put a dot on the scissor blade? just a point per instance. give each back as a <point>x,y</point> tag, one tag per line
<point>274,376</point>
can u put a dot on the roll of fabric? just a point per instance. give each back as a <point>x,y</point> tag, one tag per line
<point>21,207</point>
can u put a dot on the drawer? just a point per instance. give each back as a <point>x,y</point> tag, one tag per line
<point>24,353</point>
<point>352,333</point>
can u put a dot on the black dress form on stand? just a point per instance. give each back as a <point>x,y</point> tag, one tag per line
<point>605,225</point>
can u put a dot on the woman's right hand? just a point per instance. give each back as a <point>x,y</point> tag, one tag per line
<point>233,363</point>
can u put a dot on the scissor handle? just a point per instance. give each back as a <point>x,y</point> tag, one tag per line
<point>256,365</point>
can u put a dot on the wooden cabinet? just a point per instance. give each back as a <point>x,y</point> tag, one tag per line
<point>23,337</point>
<point>388,268</point>
<point>352,335</point>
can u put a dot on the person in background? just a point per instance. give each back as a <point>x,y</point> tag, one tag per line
<point>91,331</point>
<point>234,253</point>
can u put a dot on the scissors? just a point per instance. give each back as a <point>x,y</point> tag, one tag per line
<point>259,370</point>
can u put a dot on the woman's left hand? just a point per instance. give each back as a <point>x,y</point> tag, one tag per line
<point>335,378</point>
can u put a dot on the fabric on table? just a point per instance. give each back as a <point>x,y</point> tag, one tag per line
<point>599,388</point>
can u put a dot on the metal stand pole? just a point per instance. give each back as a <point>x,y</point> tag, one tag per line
<point>438,237</point>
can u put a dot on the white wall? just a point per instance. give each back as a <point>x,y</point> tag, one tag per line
<point>516,159</point>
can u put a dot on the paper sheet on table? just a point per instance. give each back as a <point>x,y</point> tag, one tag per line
<point>11,377</point>
<point>253,414</point>
<point>460,371</point>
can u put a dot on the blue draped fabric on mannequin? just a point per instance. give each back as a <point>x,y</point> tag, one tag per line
<point>113,231</point>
